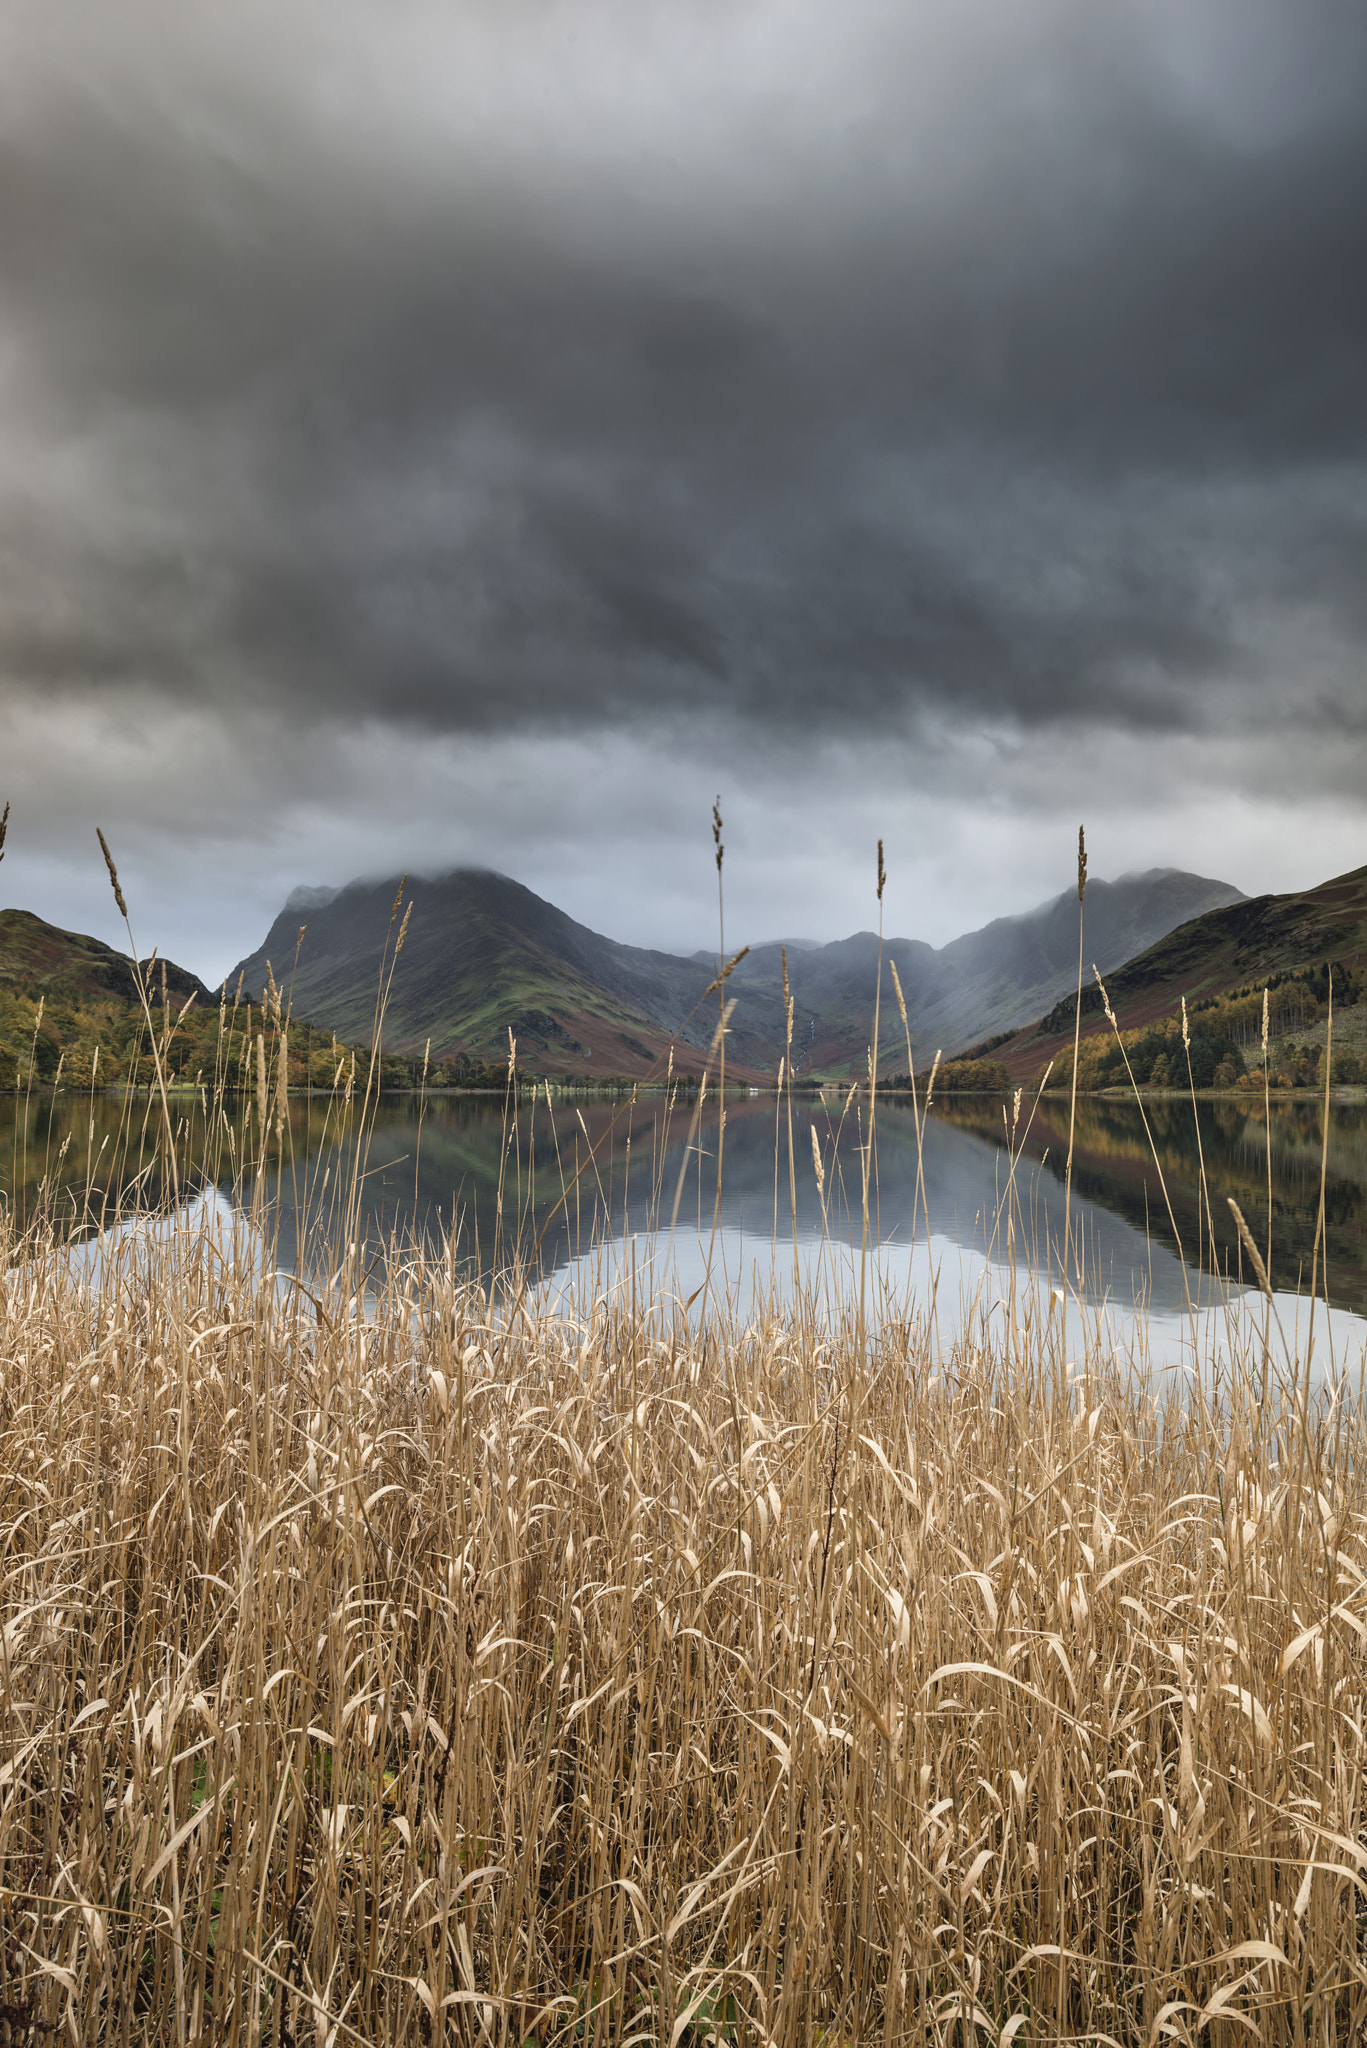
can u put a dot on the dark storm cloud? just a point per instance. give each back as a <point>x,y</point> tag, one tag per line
<point>1043,414</point>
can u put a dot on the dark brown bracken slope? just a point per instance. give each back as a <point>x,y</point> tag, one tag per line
<point>1239,945</point>
<point>38,959</point>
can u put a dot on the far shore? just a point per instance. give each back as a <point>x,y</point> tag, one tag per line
<point>528,1085</point>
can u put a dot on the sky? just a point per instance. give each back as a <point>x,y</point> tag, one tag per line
<point>485,433</point>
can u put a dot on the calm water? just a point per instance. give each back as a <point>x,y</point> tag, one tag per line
<point>554,1182</point>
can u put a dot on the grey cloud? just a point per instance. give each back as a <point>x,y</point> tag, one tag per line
<point>464,436</point>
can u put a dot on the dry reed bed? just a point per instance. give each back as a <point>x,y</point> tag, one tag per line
<point>414,1672</point>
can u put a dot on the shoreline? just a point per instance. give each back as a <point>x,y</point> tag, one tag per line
<point>1339,1091</point>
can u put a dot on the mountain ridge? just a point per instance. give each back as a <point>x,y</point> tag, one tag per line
<point>484,956</point>
<point>1227,947</point>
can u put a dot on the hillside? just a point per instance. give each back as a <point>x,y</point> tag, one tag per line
<point>484,955</point>
<point>69,1011</point>
<point>69,967</point>
<point>87,994</point>
<point>1236,946</point>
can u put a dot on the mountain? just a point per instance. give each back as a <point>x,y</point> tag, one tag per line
<point>1237,945</point>
<point>483,955</point>
<point>986,982</point>
<point>39,959</point>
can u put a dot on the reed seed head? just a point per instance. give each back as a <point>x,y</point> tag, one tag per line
<point>716,832</point>
<point>4,827</point>
<point>901,1003</point>
<point>727,971</point>
<point>820,1169</point>
<point>113,871</point>
<point>282,1086</point>
<point>1184,1012</point>
<point>1081,863</point>
<point>882,871</point>
<point>1186,1034</point>
<point>1105,999</point>
<point>403,928</point>
<point>1246,1238</point>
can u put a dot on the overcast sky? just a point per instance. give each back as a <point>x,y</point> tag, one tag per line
<point>485,431</point>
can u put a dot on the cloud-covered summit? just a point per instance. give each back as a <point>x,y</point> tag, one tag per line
<point>981,384</point>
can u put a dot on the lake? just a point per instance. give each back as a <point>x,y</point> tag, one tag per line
<point>592,1188</point>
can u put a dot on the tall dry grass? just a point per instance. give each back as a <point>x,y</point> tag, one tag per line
<point>399,1668</point>
<point>388,1657</point>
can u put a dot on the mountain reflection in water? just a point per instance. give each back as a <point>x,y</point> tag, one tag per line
<point>530,1183</point>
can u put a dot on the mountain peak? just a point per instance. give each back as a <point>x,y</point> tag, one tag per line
<point>485,956</point>
<point>305,897</point>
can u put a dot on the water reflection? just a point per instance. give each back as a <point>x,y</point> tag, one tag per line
<point>1114,1166</point>
<point>552,1181</point>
